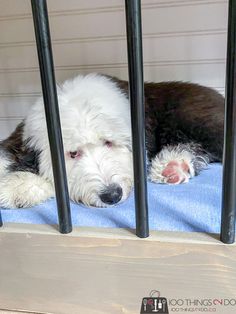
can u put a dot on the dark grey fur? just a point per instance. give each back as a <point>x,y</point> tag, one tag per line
<point>18,152</point>
<point>183,113</point>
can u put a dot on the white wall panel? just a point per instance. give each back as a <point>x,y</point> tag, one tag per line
<point>182,40</point>
<point>206,72</point>
<point>180,48</point>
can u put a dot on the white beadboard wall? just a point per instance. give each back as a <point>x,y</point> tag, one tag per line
<point>182,40</point>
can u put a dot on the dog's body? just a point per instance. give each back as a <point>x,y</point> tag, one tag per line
<point>184,131</point>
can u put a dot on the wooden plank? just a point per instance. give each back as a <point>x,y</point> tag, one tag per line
<point>96,24</point>
<point>16,9</point>
<point>16,106</point>
<point>210,73</point>
<point>164,49</point>
<point>119,233</point>
<point>7,126</point>
<point>64,274</point>
<point>5,311</point>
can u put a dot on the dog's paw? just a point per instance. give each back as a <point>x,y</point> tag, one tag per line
<point>173,172</point>
<point>23,189</point>
<point>173,165</point>
<point>176,172</point>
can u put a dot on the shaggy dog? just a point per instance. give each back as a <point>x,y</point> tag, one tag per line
<point>184,131</point>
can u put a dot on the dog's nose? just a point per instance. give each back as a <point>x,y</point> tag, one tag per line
<point>112,194</point>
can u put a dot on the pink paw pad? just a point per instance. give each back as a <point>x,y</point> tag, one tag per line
<point>176,172</point>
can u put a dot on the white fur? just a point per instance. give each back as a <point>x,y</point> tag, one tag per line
<point>4,163</point>
<point>24,189</point>
<point>92,110</point>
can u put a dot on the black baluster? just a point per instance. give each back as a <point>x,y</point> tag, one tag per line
<point>1,219</point>
<point>43,40</point>
<point>229,161</point>
<point>136,88</point>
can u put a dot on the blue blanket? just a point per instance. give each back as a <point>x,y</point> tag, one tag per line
<point>195,206</point>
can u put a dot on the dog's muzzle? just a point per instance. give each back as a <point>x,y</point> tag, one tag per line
<point>112,194</point>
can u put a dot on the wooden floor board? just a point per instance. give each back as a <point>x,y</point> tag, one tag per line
<point>18,312</point>
<point>90,274</point>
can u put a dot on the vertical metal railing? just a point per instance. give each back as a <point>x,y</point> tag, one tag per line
<point>43,40</point>
<point>136,89</point>
<point>229,161</point>
<point>0,219</point>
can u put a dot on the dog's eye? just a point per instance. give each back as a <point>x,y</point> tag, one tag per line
<point>76,154</point>
<point>108,143</point>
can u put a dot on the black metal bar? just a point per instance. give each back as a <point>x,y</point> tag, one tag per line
<point>229,162</point>
<point>136,88</point>
<point>43,40</point>
<point>0,219</point>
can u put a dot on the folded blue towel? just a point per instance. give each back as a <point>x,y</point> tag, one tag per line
<point>195,206</point>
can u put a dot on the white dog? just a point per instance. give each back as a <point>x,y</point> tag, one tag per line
<point>96,129</point>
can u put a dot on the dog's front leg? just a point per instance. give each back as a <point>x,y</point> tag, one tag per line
<point>24,189</point>
<point>177,164</point>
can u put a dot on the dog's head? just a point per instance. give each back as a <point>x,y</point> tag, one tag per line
<point>98,158</point>
<point>98,143</point>
<point>95,119</point>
